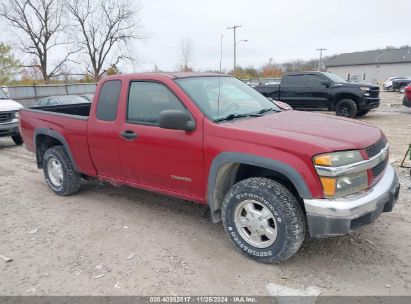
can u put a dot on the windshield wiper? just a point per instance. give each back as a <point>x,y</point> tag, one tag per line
<point>235,115</point>
<point>265,110</point>
<point>231,117</point>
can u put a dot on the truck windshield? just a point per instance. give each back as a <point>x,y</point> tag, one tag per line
<point>334,77</point>
<point>221,97</point>
<point>3,95</point>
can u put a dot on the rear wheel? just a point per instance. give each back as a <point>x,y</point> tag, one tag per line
<point>346,108</point>
<point>362,113</point>
<point>264,220</point>
<point>17,140</point>
<point>59,172</point>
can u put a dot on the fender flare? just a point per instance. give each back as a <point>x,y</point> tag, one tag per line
<point>248,159</point>
<point>56,135</point>
<point>355,97</point>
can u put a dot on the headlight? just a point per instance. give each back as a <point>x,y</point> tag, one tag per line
<point>365,88</point>
<point>338,159</point>
<point>16,114</point>
<point>342,185</point>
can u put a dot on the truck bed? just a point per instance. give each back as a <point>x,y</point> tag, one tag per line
<point>269,90</point>
<point>67,123</point>
<point>81,109</point>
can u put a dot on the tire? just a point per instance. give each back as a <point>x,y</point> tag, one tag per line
<point>402,88</point>
<point>362,113</point>
<point>346,108</point>
<point>17,140</point>
<point>59,172</point>
<point>285,220</point>
<point>390,89</point>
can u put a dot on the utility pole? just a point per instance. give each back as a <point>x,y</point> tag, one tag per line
<point>234,28</point>
<point>321,57</point>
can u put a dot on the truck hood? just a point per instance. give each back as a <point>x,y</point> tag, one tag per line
<point>331,133</point>
<point>7,105</point>
<point>357,85</point>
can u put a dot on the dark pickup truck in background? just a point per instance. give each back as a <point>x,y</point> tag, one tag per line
<point>323,90</point>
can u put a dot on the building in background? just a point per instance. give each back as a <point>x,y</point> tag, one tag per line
<point>371,66</point>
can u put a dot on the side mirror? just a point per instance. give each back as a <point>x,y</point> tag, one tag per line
<point>326,83</point>
<point>176,120</point>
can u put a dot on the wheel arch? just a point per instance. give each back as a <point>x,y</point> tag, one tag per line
<point>228,168</point>
<point>340,96</point>
<point>44,139</point>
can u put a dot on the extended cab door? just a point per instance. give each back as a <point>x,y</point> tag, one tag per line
<point>103,131</point>
<point>164,159</point>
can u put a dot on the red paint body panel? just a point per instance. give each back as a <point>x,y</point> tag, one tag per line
<point>408,92</point>
<point>156,155</point>
<point>72,129</point>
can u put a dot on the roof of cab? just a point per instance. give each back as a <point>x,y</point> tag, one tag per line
<point>172,75</point>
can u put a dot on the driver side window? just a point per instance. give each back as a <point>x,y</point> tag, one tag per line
<point>147,99</point>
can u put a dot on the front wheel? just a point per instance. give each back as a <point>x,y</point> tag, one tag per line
<point>264,220</point>
<point>346,108</point>
<point>59,172</point>
<point>17,140</point>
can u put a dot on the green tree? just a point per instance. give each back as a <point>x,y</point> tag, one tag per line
<point>8,64</point>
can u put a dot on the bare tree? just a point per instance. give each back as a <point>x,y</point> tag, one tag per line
<point>40,30</point>
<point>106,27</point>
<point>186,55</point>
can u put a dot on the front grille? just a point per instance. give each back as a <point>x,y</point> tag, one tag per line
<point>376,148</point>
<point>6,116</point>
<point>373,151</point>
<point>374,93</point>
<point>378,169</point>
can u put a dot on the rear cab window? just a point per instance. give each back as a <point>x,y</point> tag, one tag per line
<point>108,98</point>
<point>295,80</point>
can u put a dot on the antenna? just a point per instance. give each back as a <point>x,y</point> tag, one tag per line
<point>221,50</point>
<point>219,76</point>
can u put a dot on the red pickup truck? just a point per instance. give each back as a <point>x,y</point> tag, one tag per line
<point>270,175</point>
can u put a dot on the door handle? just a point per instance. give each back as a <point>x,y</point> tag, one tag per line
<point>129,135</point>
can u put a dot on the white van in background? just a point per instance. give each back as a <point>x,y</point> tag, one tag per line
<point>9,118</point>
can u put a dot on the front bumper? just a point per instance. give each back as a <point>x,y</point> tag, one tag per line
<point>369,103</point>
<point>9,129</point>
<point>327,217</point>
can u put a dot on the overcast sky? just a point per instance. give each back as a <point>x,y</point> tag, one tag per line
<point>281,29</point>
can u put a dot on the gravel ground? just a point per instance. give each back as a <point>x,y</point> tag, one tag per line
<point>123,241</point>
